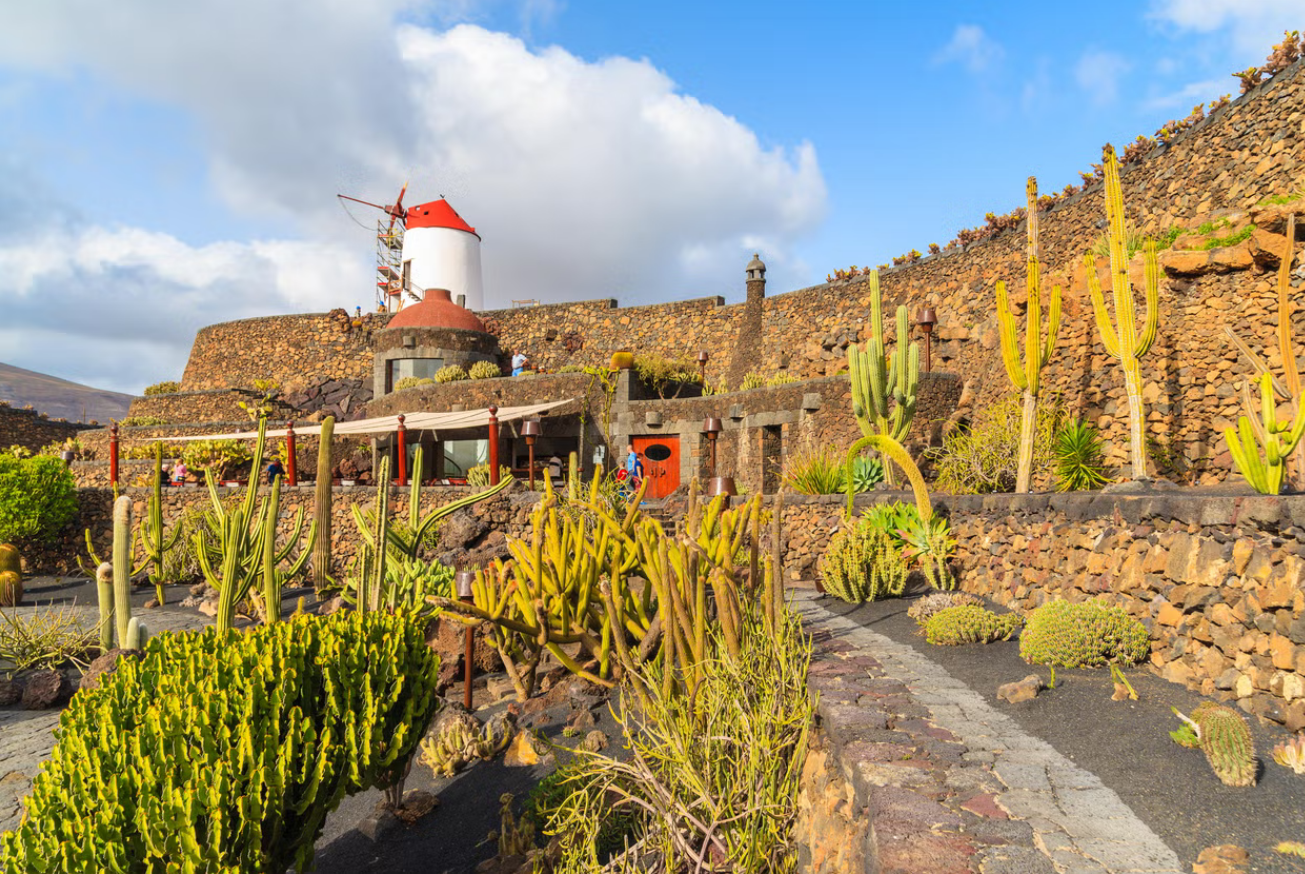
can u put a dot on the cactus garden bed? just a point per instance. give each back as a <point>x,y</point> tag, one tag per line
<point>1125,743</point>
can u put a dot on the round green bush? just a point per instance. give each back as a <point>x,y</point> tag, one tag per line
<point>1088,634</point>
<point>163,388</point>
<point>969,624</point>
<point>38,497</point>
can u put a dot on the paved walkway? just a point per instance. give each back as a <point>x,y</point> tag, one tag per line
<point>26,736</point>
<point>1078,823</point>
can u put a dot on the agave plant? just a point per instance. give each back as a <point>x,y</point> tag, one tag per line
<point>866,473</point>
<point>929,543</point>
<point>1078,463</point>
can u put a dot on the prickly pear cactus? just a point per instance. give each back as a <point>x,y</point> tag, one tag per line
<point>1227,743</point>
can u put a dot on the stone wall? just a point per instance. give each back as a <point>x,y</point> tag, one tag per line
<point>291,350</point>
<point>213,405</point>
<point>1218,581</point>
<point>33,430</point>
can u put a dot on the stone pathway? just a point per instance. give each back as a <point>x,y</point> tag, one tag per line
<point>26,736</point>
<point>1079,825</point>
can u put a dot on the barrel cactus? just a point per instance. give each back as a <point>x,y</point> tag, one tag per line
<point>11,589</point>
<point>1226,740</point>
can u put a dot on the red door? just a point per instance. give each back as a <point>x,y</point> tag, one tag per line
<point>661,464</point>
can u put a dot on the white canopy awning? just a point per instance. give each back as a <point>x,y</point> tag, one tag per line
<point>434,422</point>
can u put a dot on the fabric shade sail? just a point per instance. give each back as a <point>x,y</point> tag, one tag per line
<point>434,422</point>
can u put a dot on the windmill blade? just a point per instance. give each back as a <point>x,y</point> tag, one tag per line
<point>396,211</point>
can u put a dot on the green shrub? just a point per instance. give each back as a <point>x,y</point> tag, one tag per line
<point>484,370</point>
<point>226,752</point>
<point>955,626</point>
<point>985,456</point>
<point>1088,634</point>
<point>1078,459</point>
<point>571,368</point>
<point>863,563</point>
<point>781,378</point>
<point>752,380</point>
<point>166,387</point>
<point>219,456</point>
<point>663,375</point>
<point>38,497</point>
<point>143,421</point>
<point>450,373</point>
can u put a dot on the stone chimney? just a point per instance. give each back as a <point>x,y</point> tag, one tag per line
<point>756,273</point>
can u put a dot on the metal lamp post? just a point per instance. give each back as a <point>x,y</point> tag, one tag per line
<point>716,485</point>
<point>530,430</point>
<point>463,581</point>
<point>926,320</point>
<point>703,358</point>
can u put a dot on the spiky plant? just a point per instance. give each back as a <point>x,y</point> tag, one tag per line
<point>1079,464</point>
<point>884,386</point>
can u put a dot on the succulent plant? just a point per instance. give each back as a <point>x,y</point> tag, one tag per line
<point>968,623</point>
<point>450,373</point>
<point>10,559</point>
<point>1088,634</point>
<point>11,589</point>
<point>484,370</point>
<point>935,602</point>
<point>863,563</point>
<point>1227,743</point>
<point>1291,754</point>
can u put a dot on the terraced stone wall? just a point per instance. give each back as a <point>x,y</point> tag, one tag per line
<point>1218,581</point>
<point>34,430</point>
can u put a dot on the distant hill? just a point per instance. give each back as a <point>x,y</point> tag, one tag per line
<point>59,398</point>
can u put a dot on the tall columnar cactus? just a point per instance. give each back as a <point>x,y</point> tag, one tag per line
<point>122,566</point>
<point>1288,388</point>
<point>104,591</point>
<point>1027,375</point>
<point>1279,438</point>
<point>1123,342</point>
<point>154,538</point>
<point>878,378</point>
<point>372,565</point>
<point>322,508</point>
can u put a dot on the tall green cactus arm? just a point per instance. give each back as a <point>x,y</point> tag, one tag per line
<point>1010,354</point>
<point>1151,325</point>
<point>322,508</point>
<point>1278,438</point>
<point>1291,374</point>
<point>1105,327</point>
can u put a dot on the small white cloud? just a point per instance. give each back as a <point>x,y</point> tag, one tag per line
<point>1099,73</point>
<point>971,47</point>
<point>1254,25</point>
<point>1189,95</point>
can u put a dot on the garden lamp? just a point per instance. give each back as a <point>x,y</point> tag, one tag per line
<point>926,320</point>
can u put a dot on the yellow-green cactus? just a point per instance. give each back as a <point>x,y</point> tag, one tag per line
<point>1026,375</point>
<point>884,386</point>
<point>1121,338</point>
<point>1278,437</point>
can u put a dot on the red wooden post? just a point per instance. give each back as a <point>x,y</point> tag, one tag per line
<point>403,452</point>
<point>113,455</point>
<point>290,477</point>
<point>493,446</point>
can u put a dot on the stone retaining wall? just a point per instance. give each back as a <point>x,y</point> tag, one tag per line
<point>1218,581</point>
<point>33,430</point>
<point>214,405</point>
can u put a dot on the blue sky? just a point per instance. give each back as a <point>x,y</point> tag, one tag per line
<point>167,167</point>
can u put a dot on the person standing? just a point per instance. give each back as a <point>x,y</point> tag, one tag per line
<point>519,362</point>
<point>274,470</point>
<point>633,467</point>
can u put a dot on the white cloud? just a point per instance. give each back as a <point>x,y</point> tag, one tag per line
<point>1254,25</point>
<point>1099,73</point>
<point>1189,95</point>
<point>970,46</point>
<point>584,179</point>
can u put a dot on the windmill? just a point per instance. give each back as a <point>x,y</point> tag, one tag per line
<point>392,278</point>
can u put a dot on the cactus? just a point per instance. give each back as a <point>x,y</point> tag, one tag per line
<point>1026,377</point>
<point>1123,343</point>
<point>878,378</point>
<point>137,635</point>
<point>1227,743</point>
<point>122,566</point>
<point>371,554</point>
<point>863,563</point>
<point>322,509</point>
<point>154,539</point>
<point>1278,437</point>
<point>1289,387</point>
<point>955,626</point>
<point>1291,754</point>
<point>11,589</point>
<point>10,559</point>
<point>890,448</point>
<point>104,591</point>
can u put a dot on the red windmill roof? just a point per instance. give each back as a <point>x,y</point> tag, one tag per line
<point>436,214</point>
<point>436,310</point>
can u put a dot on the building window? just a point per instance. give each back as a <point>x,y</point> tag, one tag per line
<point>462,455</point>
<point>401,368</point>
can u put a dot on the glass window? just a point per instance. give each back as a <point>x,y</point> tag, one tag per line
<point>421,368</point>
<point>462,455</point>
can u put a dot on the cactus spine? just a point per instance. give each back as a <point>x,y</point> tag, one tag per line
<point>878,377</point>
<point>1289,388</point>
<point>322,508</point>
<point>1227,743</point>
<point>1124,343</point>
<point>1026,377</point>
<point>1279,439</point>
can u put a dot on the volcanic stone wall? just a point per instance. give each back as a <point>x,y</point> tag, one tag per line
<point>1222,167</point>
<point>1219,582</point>
<point>215,405</point>
<point>33,430</point>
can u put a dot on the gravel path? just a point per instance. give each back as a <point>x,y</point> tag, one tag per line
<point>1079,823</point>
